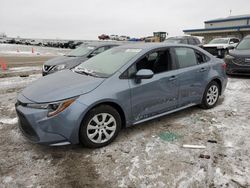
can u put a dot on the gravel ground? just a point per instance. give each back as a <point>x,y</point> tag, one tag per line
<point>146,155</point>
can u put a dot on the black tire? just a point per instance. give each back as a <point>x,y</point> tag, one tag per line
<point>205,103</point>
<point>83,134</point>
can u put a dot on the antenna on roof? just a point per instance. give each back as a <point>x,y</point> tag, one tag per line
<point>230,12</point>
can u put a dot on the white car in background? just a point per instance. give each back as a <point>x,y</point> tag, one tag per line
<point>220,47</point>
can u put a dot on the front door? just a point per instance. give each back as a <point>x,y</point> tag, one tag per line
<point>150,97</point>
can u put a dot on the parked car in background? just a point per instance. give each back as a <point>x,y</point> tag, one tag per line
<point>103,37</point>
<point>120,87</point>
<point>238,60</point>
<point>123,38</point>
<point>114,37</point>
<point>184,40</point>
<point>75,57</point>
<point>220,47</point>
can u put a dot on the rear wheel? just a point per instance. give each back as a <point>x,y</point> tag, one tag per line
<point>211,95</point>
<point>100,127</point>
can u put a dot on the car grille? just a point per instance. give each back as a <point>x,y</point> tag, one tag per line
<point>241,61</point>
<point>26,128</point>
<point>211,50</point>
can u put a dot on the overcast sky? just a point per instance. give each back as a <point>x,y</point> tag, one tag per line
<point>86,19</point>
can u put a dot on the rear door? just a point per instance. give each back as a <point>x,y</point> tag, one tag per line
<point>193,75</point>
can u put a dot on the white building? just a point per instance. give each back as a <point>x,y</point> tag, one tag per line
<point>232,26</point>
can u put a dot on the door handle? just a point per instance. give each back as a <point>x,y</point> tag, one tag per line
<point>203,69</point>
<point>172,78</point>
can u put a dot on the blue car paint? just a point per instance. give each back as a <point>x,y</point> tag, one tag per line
<point>139,102</point>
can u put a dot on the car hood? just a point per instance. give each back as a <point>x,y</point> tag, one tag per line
<point>70,62</point>
<point>60,86</point>
<point>242,53</point>
<point>214,45</point>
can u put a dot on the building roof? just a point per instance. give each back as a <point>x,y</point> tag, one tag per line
<point>232,28</point>
<point>229,18</point>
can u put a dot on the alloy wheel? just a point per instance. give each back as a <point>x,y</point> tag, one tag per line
<point>101,128</point>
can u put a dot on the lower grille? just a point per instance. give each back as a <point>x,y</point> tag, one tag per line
<point>211,50</point>
<point>26,128</point>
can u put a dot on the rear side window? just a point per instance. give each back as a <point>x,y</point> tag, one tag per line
<point>186,57</point>
<point>201,58</point>
<point>191,41</point>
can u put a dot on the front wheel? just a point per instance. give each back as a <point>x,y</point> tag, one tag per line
<point>100,127</point>
<point>211,95</point>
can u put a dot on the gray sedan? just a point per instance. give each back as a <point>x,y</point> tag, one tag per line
<point>120,87</point>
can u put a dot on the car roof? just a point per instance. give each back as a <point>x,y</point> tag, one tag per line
<point>151,46</point>
<point>99,44</point>
<point>181,37</point>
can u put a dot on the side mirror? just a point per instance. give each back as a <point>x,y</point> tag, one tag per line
<point>231,42</point>
<point>144,74</point>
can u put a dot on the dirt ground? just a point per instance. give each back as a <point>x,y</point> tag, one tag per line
<point>146,155</point>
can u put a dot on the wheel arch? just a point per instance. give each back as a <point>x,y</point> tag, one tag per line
<point>114,105</point>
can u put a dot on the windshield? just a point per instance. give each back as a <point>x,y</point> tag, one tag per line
<point>219,41</point>
<point>108,62</point>
<point>244,44</point>
<point>80,51</point>
<point>175,41</point>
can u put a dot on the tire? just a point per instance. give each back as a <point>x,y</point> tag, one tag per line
<point>100,127</point>
<point>211,95</point>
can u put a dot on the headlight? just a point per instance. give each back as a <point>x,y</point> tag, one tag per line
<point>59,67</point>
<point>229,57</point>
<point>53,108</point>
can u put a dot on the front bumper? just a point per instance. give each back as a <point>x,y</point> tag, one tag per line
<point>57,130</point>
<point>220,53</point>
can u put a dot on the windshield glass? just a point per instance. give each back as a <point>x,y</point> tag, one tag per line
<point>219,41</point>
<point>108,62</point>
<point>175,41</point>
<point>80,51</point>
<point>244,44</point>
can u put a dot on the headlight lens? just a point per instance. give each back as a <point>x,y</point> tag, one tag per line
<point>53,108</point>
<point>59,67</point>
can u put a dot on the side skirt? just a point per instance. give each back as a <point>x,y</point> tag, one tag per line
<point>165,113</point>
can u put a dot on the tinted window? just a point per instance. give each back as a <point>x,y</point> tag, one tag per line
<point>158,62</point>
<point>191,41</point>
<point>184,41</point>
<point>186,57</point>
<point>99,50</point>
<point>201,58</point>
<point>197,41</point>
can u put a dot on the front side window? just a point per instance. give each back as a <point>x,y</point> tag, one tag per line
<point>159,61</point>
<point>186,57</point>
<point>108,62</point>
<point>99,50</point>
